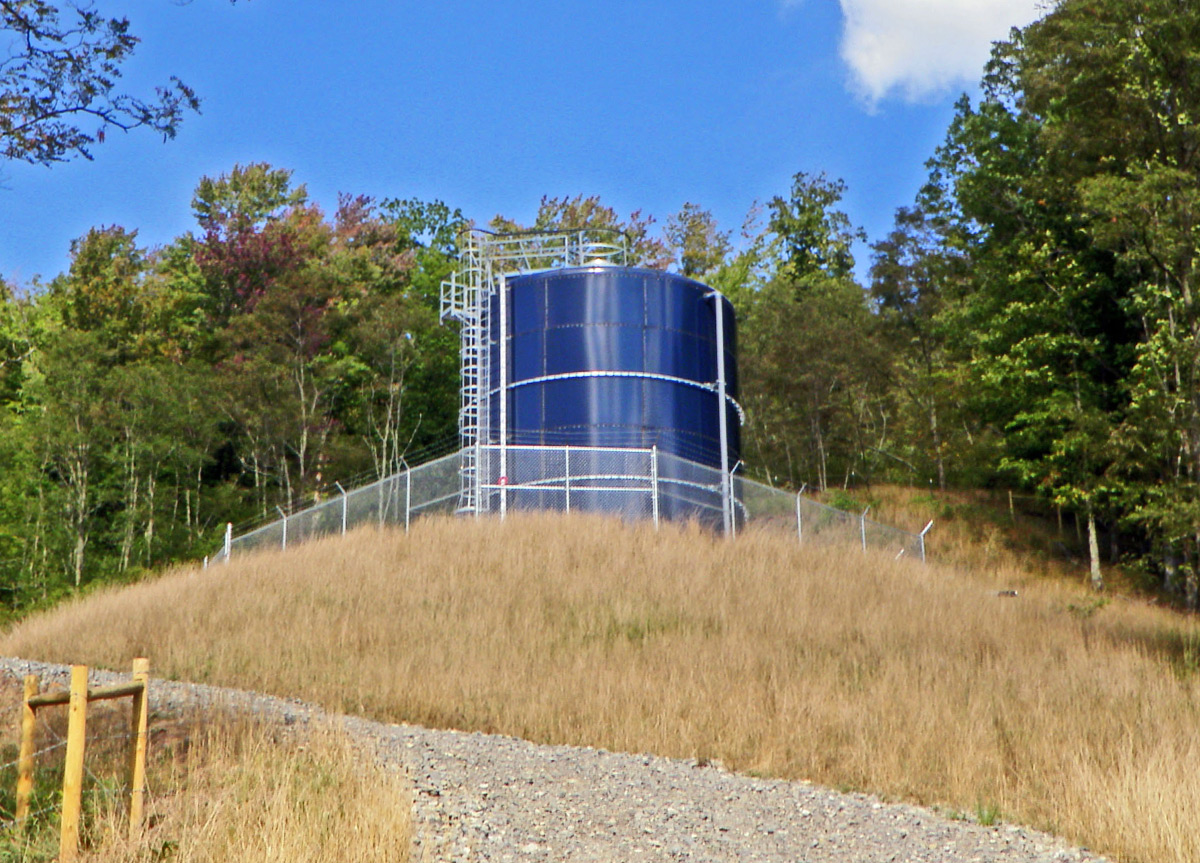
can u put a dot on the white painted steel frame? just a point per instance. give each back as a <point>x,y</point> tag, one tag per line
<point>502,285</point>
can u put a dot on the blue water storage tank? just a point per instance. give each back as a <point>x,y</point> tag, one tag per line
<point>606,356</point>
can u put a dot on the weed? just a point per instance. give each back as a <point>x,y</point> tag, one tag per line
<point>987,814</point>
<point>1085,610</point>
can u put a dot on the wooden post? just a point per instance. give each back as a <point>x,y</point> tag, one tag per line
<point>25,761</point>
<point>137,750</point>
<point>68,849</point>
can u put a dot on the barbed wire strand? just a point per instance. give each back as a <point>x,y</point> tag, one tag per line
<point>10,824</point>
<point>38,752</point>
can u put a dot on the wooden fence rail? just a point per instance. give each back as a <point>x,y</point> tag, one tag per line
<point>77,699</point>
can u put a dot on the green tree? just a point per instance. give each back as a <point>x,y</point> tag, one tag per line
<point>19,476</point>
<point>698,245</point>
<point>401,339</point>
<point>809,365</point>
<point>1073,185</point>
<point>249,196</point>
<point>102,292</point>
<point>916,273</point>
<point>817,237</point>
<point>1137,71</point>
<point>15,343</point>
<point>72,435</point>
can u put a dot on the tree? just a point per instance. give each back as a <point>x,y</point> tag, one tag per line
<point>326,334</point>
<point>809,368</point>
<point>248,242</point>
<point>19,477</point>
<point>698,245</point>
<point>249,196</point>
<point>62,72</point>
<point>103,290</point>
<point>810,383</point>
<point>1039,328</point>
<point>1073,187</point>
<point>817,236</point>
<point>73,431</point>
<point>915,274</point>
<point>1137,71</point>
<point>429,352</point>
<point>15,343</point>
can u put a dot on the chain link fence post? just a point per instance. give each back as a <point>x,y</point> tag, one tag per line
<point>567,476</point>
<point>283,515</point>
<point>799,521</point>
<point>732,502</point>
<point>928,527</point>
<point>407,496</point>
<point>654,483</point>
<point>344,505</point>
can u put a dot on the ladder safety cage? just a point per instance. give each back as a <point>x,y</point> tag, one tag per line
<point>486,259</point>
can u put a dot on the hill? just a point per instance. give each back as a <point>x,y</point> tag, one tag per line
<point>931,684</point>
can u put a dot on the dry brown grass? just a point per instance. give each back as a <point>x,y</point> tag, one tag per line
<point>919,683</point>
<point>235,792</point>
<point>222,789</point>
<point>976,529</point>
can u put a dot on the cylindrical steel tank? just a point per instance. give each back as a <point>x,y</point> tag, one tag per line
<point>605,356</point>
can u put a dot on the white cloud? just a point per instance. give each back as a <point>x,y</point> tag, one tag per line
<point>922,48</point>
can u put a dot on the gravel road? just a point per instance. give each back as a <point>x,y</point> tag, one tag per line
<point>485,797</point>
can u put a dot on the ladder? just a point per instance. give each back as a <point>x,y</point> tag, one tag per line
<point>467,296</point>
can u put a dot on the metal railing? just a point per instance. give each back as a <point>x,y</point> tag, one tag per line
<point>633,483</point>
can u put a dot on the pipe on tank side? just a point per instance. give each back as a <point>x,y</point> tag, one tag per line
<point>722,409</point>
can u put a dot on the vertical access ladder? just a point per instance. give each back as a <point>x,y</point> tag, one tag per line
<point>486,258</point>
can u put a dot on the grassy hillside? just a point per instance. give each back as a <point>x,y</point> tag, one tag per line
<point>857,671</point>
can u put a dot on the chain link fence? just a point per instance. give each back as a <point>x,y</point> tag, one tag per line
<point>396,500</point>
<point>634,484</point>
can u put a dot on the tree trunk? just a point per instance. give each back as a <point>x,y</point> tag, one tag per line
<point>819,440</point>
<point>77,556</point>
<point>1170,571</point>
<point>131,507</point>
<point>196,507</point>
<point>148,533</point>
<point>1191,585</point>
<point>937,446</point>
<point>77,478</point>
<point>132,493</point>
<point>1094,550</point>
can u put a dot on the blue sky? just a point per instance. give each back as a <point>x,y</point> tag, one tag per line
<point>489,106</point>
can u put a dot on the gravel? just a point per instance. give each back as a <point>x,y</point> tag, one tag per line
<point>484,797</point>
